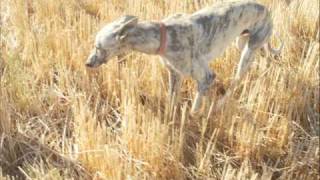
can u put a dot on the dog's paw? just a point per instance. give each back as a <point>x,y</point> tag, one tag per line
<point>195,113</point>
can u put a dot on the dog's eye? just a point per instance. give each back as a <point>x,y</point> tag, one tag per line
<point>100,51</point>
<point>97,48</point>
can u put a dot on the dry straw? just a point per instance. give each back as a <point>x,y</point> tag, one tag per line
<point>60,121</point>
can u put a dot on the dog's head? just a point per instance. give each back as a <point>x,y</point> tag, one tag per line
<point>109,41</point>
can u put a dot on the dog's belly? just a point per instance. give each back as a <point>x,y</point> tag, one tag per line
<point>209,50</point>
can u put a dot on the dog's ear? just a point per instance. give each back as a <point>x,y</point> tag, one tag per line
<point>127,19</point>
<point>126,22</point>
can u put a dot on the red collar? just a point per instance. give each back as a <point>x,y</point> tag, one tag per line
<point>163,39</point>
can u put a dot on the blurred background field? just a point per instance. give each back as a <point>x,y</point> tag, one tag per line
<point>60,121</point>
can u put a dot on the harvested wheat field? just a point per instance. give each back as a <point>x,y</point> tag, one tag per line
<point>59,120</point>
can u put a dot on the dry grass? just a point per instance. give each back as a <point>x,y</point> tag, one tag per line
<point>58,121</point>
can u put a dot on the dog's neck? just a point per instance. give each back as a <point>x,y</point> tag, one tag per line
<point>145,37</point>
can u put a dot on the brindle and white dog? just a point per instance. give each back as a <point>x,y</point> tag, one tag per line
<point>188,42</point>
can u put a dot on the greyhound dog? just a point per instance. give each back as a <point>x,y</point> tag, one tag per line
<point>188,42</point>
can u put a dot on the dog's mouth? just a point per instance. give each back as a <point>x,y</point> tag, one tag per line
<point>92,65</point>
<point>97,58</point>
<point>94,62</point>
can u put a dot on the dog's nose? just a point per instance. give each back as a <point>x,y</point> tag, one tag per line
<point>89,65</point>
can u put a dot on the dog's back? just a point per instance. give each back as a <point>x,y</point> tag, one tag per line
<point>223,22</point>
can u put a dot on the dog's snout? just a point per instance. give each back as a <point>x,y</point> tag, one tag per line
<point>91,61</point>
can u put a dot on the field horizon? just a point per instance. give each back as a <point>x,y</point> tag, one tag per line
<point>59,120</point>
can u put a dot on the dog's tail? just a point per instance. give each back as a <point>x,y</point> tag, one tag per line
<point>278,50</point>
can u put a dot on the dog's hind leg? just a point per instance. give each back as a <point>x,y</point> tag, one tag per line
<point>245,61</point>
<point>256,40</point>
<point>205,79</point>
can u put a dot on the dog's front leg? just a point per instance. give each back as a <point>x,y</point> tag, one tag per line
<point>174,86</point>
<point>205,79</point>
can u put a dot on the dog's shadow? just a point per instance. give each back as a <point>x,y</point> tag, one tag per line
<point>197,131</point>
<point>180,115</point>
